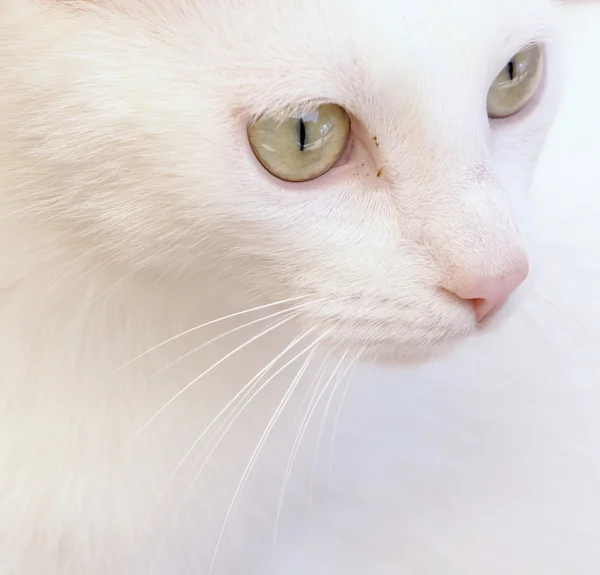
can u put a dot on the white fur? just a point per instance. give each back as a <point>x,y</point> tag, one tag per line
<point>132,210</point>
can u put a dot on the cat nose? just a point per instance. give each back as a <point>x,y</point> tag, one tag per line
<point>487,295</point>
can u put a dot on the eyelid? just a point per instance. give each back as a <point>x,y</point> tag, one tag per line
<point>291,110</point>
<point>509,53</point>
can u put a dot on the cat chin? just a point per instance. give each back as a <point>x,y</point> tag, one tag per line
<point>395,354</point>
<point>398,352</point>
<point>402,356</point>
<point>410,351</point>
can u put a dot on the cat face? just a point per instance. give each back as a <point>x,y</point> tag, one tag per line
<point>154,123</point>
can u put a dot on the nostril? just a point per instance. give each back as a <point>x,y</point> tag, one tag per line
<point>487,294</point>
<point>485,308</point>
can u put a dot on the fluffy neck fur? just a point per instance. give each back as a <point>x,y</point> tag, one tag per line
<point>131,213</point>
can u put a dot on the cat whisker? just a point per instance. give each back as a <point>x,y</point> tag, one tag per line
<point>228,422</point>
<point>199,377</point>
<point>583,346</point>
<point>531,323</point>
<point>338,380</point>
<point>245,391</point>
<point>233,330</point>
<point>585,343</point>
<point>337,416</point>
<point>556,372</point>
<point>241,396</point>
<point>570,254</point>
<point>552,247</point>
<point>204,325</point>
<point>262,440</point>
<point>315,399</point>
<point>567,319</point>
<point>584,212</point>
<point>310,392</point>
<point>336,385</point>
<point>316,382</point>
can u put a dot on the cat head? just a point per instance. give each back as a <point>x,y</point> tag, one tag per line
<point>370,158</point>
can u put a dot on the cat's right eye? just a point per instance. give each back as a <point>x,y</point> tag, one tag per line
<point>298,148</point>
<point>516,84</point>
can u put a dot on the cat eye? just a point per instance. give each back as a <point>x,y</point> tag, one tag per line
<point>516,84</point>
<point>298,148</point>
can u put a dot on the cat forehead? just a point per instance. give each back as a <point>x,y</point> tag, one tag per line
<point>331,49</point>
<point>382,26</point>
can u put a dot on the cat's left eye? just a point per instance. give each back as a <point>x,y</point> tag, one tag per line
<point>298,148</point>
<point>516,84</point>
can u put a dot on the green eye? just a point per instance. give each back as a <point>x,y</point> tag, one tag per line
<point>516,84</point>
<point>300,148</point>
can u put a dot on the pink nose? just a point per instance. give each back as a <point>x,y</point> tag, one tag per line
<point>487,295</point>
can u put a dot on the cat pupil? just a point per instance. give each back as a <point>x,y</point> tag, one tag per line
<point>511,70</point>
<point>301,134</point>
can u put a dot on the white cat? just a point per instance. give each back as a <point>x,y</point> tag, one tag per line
<point>215,215</point>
